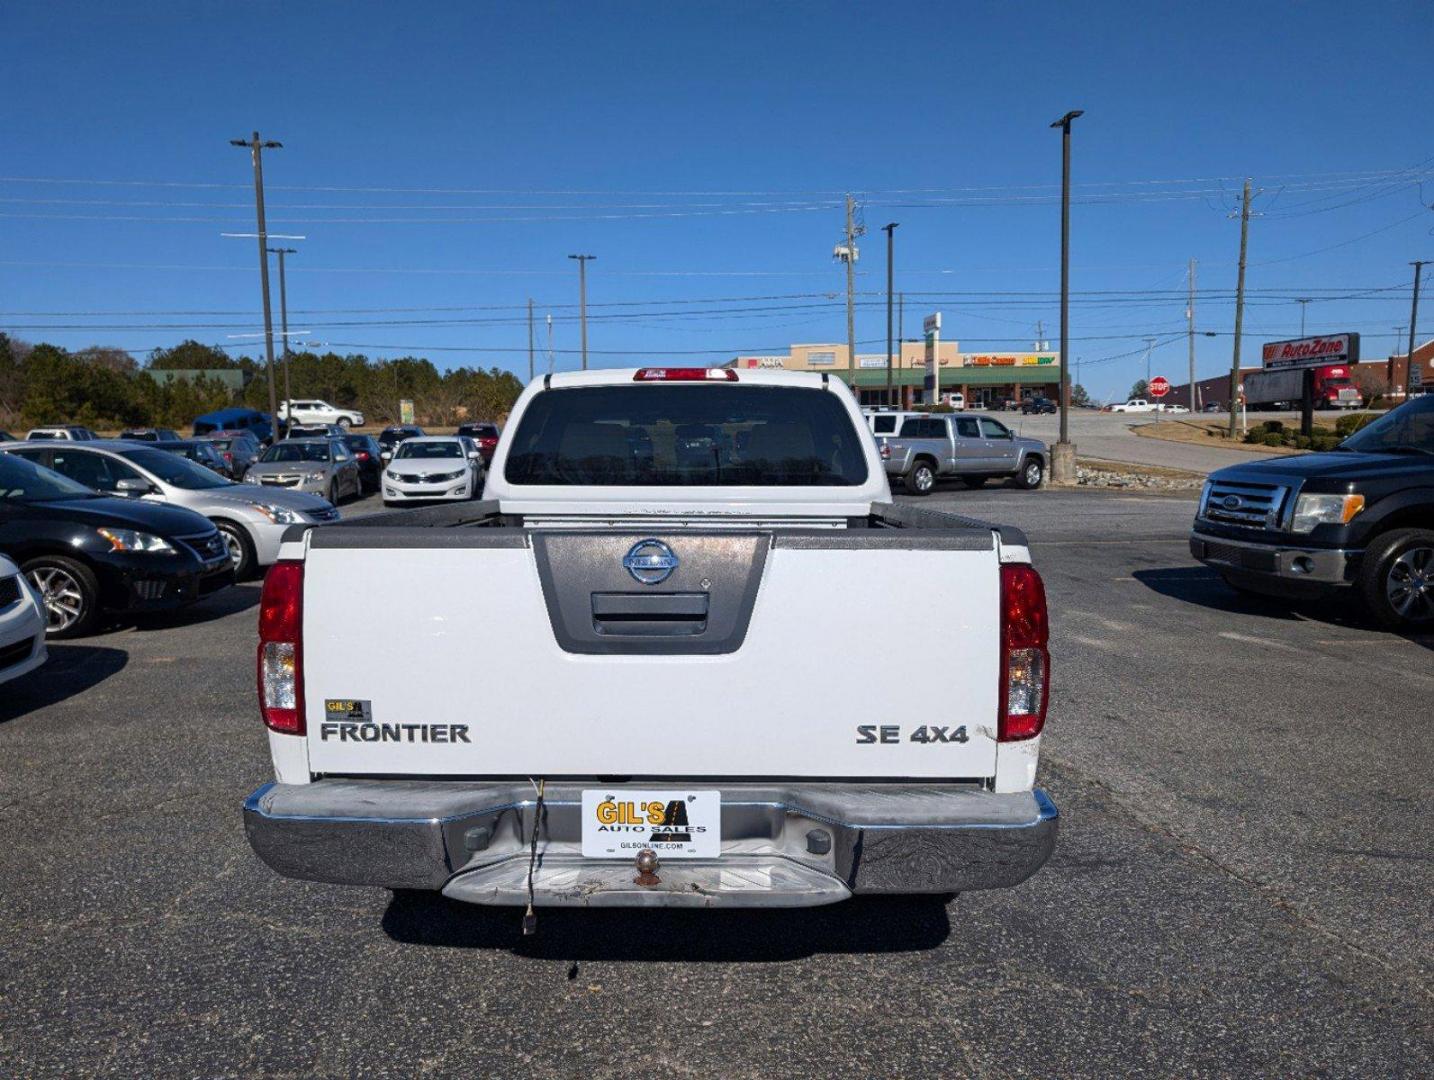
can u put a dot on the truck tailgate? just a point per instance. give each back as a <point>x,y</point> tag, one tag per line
<point>850,654</point>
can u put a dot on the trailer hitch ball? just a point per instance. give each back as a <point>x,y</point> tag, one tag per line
<point>647,864</point>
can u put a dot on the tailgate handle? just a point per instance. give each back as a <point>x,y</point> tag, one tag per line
<point>650,614</point>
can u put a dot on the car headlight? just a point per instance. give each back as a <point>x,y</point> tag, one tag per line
<point>130,540</point>
<point>443,478</point>
<point>313,477</point>
<point>1312,510</point>
<point>279,515</point>
<point>1204,499</point>
<point>251,478</point>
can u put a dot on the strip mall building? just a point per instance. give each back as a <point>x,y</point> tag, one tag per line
<point>985,378</point>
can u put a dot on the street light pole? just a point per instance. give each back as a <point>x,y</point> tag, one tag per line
<point>890,231</point>
<point>284,318</point>
<point>1063,455</point>
<point>583,300</point>
<point>1413,324</point>
<point>256,149</point>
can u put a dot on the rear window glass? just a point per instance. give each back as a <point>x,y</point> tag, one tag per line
<point>702,435</point>
<point>883,425</point>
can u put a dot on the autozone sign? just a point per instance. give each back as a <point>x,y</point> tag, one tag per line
<point>1312,351</point>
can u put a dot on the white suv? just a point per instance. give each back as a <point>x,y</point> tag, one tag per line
<point>315,411</point>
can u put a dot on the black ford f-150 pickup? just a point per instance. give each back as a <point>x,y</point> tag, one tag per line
<point>1360,517</point>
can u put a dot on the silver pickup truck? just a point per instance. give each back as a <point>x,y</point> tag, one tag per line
<point>974,448</point>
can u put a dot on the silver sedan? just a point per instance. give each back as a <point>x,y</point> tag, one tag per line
<point>323,467</point>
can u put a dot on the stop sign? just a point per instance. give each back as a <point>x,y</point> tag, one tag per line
<point>1159,386</point>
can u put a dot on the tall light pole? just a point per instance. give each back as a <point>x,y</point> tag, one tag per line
<point>256,150</point>
<point>1063,456</point>
<point>583,300</point>
<point>1190,334</point>
<point>890,231</point>
<point>284,317</point>
<point>1239,307</point>
<point>1413,323</point>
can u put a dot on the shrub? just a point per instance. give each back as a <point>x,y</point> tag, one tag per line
<point>1351,422</point>
<point>1273,425</point>
<point>1273,438</point>
<point>1324,442</point>
<point>1303,442</point>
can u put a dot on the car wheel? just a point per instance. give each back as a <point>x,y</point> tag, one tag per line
<point>920,479</point>
<point>345,422</point>
<point>973,481</point>
<point>1396,579</point>
<point>69,593</point>
<point>241,549</point>
<point>1031,474</point>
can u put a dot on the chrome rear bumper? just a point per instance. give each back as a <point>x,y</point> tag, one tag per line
<point>787,845</point>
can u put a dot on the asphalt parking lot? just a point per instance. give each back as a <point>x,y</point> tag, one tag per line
<point>1243,881</point>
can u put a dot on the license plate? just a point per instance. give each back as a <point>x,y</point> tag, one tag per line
<point>619,822</point>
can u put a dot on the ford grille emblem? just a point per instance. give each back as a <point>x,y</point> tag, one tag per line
<point>650,562</point>
<point>1231,502</point>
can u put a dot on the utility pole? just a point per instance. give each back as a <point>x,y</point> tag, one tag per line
<point>890,231</point>
<point>550,343</point>
<point>849,254</point>
<point>256,150</point>
<point>1063,458</point>
<point>1239,307</point>
<point>1190,334</point>
<point>284,318</point>
<point>1413,324</point>
<point>1302,301</point>
<point>530,339</point>
<point>583,300</point>
<point>1149,344</point>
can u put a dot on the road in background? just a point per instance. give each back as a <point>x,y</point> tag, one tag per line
<point>1241,884</point>
<point>1110,437</point>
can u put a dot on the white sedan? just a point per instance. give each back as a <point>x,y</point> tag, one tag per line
<point>22,624</point>
<point>433,467</point>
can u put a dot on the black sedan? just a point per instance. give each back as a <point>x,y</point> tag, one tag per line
<point>1038,405</point>
<point>390,437</point>
<point>369,455</point>
<point>199,451</point>
<point>239,450</point>
<point>89,555</point>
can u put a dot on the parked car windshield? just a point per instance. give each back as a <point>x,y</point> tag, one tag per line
<point>174,469</point>
<point>410,449</point>
<point>296,451</point>
<point>707,435</point>
<point>24,481</point>
<point>1409,427</point>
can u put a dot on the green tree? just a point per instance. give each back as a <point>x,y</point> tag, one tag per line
<point>1079,397</point>
<point>192,356</point>
<point>1141,389</point>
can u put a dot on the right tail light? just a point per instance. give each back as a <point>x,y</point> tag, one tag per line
<point>281,647</point>
<point>1025,660</point>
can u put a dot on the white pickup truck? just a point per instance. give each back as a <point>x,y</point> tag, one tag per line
<point>641,671</point>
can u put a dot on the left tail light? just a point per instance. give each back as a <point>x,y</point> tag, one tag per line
<point>1025,660</point>
<point>281,648</point>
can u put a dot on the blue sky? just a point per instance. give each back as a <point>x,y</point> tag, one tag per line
<point>443,160</point>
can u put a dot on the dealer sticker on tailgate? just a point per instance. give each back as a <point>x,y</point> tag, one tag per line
<point>619,822</point>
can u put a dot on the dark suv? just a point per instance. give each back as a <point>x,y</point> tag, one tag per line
<point>1038,405</point>
<point>1360,517</point>
<point>88,554</point>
